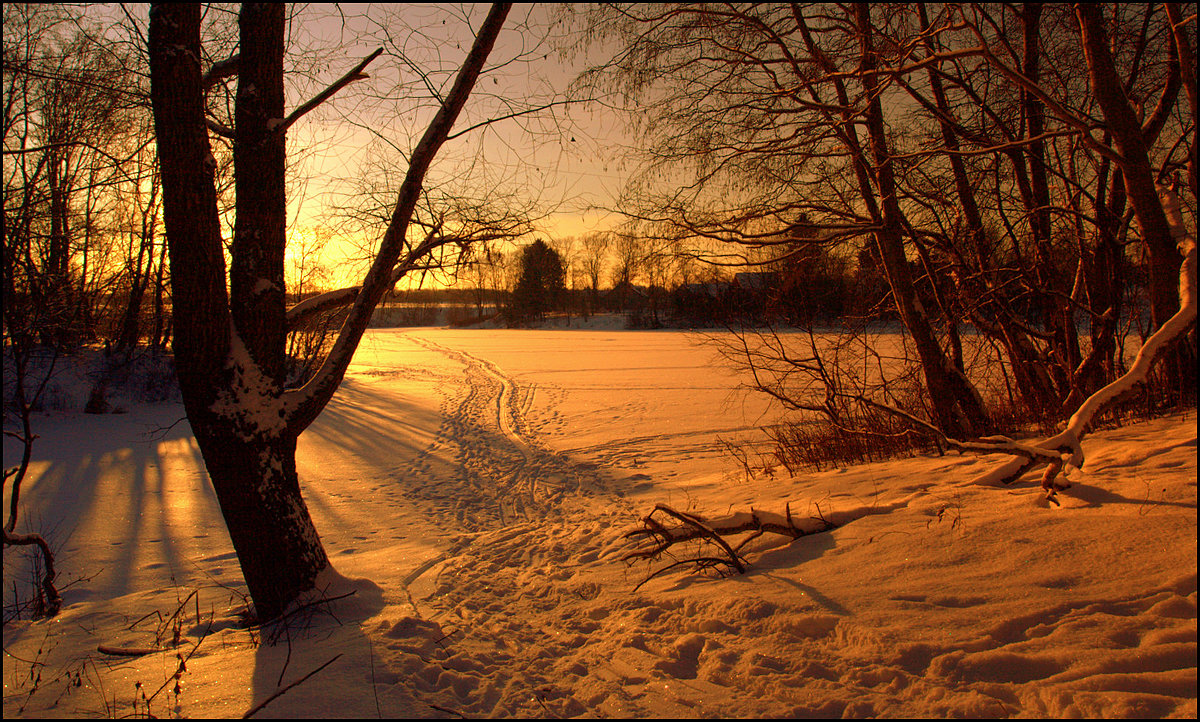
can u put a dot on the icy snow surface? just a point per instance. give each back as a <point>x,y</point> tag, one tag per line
<point>472,487</point>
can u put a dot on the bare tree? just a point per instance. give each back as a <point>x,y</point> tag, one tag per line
<point>230,341</point>
<point>759,114</point>
<point>659,534</point>
<point>16,351</point>
<point>67,114</point>
<point>627,254</point>
<point>956,154</point>
<point>568,250</point>
<point>592,260</point>
<point>141,225</point>
<point>69,133</point>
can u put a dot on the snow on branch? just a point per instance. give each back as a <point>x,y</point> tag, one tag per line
<point>330,300</point>
<point>220,70</point>
<point>222,130</point>
<point>321,302</point>
<point>1067,444</point>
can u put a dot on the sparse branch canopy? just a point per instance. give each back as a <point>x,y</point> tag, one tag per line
<point>306,403</point>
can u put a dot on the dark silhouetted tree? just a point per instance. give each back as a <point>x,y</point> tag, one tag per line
<point>230,336</point>
<point>541,286</point>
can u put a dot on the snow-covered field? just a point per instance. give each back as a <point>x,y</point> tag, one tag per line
<point>481,480</point>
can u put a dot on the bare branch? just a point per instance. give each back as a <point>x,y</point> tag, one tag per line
<point>278,693</point>
<point>306,403</point>
<point>355,74</point>
<point>693,527</point>
<point>222,130</point>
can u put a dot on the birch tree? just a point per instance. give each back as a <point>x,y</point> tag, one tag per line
<point>229,339</point>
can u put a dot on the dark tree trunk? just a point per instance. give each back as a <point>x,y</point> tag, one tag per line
<point>256,484</point>
<point>131,322</point>
<point>130,329</point>
<point>256,283</point>
<point>1140,189</point>
<point>161,334</point>
<point>229,345</point>
<point>57,299</point>
<point>251,462</point>
<point>1056,315</point>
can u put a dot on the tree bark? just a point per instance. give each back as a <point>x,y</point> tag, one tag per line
<point>278,547</point>
<point>1136,167</point>
<point>955,403</point>
<point>256,283</point>
<point>1140,186</point>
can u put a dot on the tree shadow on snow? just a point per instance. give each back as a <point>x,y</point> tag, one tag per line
<point>128,510</point>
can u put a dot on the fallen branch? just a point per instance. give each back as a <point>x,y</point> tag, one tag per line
<point>1067,444</point>
<point>700,563</point>
<point>1065,448</point>
<point>692,527</point>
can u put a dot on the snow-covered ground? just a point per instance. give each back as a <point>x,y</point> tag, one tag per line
<point>482,480</point>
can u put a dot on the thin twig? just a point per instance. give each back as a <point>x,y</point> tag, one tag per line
<point>258,707</point>
<point>699,561</point>
<point>454,712</point>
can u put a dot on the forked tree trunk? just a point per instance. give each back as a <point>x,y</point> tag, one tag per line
<point>252,463</point>
<point>229,342</point>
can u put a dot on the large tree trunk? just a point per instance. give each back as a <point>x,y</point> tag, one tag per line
<point>256,283</point>
<point>251,463</point>
<point>230,343</point>
<point>273,534</point>
<point>1056,315</point>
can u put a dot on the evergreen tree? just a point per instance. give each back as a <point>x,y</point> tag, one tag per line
<point>541,287</point>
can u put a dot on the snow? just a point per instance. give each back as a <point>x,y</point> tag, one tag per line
<point>251,403</point>
<point>473,487</point>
